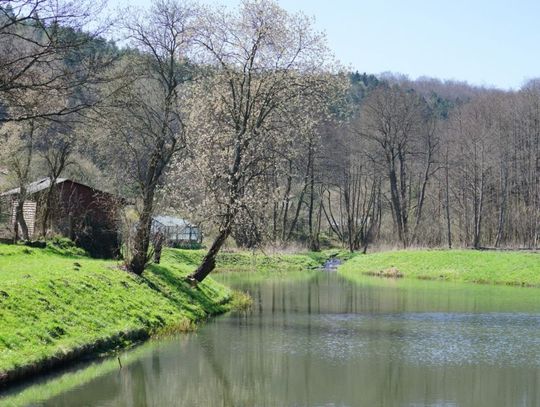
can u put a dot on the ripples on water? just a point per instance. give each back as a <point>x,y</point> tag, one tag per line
<point>323,341</point>
<point>423,339</point>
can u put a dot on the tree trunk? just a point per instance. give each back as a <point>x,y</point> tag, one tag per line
<point>448,223</point>
<point>315,244</point>
<point>478,215</point>
<point>502,207</point>
<point>20,221</point>
<point>141,244</point>
<point>158,245</point>
<point>311,205</point>
<point>209,262</point>
<point>422,196</point>
<point>396,205</point>
<point>285,205</point>
<point>15,231</point>
<point>296,214</point>
<point>47,207</point>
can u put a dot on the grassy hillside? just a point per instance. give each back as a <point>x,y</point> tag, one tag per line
<point>486,267</point>
<point>56,305</point>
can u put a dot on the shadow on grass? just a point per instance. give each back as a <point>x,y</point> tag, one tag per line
<point>174,286</point>
<point>75,253</point>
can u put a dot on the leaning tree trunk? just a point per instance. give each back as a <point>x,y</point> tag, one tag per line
<point>209,262</point>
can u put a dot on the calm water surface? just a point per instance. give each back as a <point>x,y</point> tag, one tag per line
<point>319,340</point>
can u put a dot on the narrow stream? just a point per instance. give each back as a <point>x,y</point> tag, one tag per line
<point>316,339</point>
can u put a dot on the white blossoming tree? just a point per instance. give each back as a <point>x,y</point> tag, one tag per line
<point>262,62</point>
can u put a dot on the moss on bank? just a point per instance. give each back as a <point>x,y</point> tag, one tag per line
<point>57,305</point>
<point>486,267</point>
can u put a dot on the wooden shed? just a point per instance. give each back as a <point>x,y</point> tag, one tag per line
<point>86,215</point>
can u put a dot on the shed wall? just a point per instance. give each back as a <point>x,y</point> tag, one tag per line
<point>29,215</point>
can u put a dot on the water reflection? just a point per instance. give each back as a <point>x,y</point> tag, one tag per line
<point>323,341</point>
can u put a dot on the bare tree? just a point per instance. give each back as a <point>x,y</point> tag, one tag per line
<point>352,188</point>
<point>393,119</point>
<point>474,128</point>
<point>144,116</point>
<point>48,48</point>
<point>18,155</point>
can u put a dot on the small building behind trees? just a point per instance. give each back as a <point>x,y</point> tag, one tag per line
<point>176,232</point>
<point>84,214</point>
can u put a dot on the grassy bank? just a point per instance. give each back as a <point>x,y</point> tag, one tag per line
<point>256,261</point>
<point>57,305</point>
<point>486,267</point>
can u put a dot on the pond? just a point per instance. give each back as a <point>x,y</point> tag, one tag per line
<point>317,339</point>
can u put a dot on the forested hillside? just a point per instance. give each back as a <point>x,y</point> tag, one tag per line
<point>242,121</point>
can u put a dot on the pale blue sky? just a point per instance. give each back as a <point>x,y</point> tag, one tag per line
<point>484,42</point>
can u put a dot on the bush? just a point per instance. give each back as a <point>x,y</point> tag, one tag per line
<point>62,242</point>
<point>65,246</point>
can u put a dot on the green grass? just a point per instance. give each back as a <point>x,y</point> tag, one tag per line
<point>256,261</point>
<point>54,306</point>
<point>486,267</point>
<point>236,279</point>
<point>57,304</point>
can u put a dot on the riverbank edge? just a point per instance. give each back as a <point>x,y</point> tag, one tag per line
<point>107,346</point>
<point>123,339</point>
<point>505,267</point>
<point>217,301</point>
<point>87,351</point>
